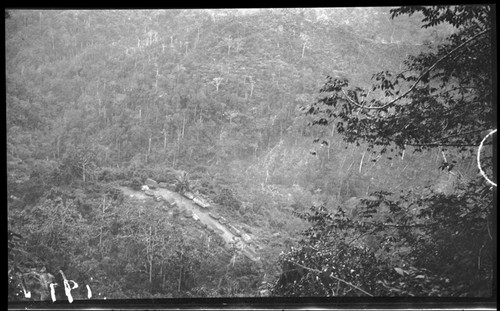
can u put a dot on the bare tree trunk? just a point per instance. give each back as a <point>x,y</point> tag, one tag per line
<point>83,173</point>
<point>164,139</point>
<point>197,37</point>
<point>361,163</point>
<point>156,80</point>
<point>162,278</point>
<point>119,151</point>
<point>59,147</point>
<point>149,147</point>
<point>180,275</point>
<point>183,125</point>
<point>102,220</point>
<point>179,133</point>
<point>151,255</point>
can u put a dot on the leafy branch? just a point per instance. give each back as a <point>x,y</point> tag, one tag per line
<point>425,73</point>
<point>333,277</point>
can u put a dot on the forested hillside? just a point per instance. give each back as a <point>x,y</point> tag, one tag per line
<point>233,105</point>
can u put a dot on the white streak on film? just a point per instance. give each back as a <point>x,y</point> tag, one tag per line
<point>75,285</point>
<point>479,158</point>
<point>89,292</point>
<point>52,292</point>
<point>27,294</point>
<point>67,289</point>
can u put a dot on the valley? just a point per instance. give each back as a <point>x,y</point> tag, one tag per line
<point>199,214</point>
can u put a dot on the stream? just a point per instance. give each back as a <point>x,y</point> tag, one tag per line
<point>202,214</point>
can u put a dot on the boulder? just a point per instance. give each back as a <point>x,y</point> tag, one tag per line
<point>189,195</point>
<point>234,230</point>
<point>149,192</point>
<point>219,231</point>
<point>213,216</point>
<point>151,183</point>
<point>246,237</point>
<point>200,202</point>
<point>144,188</point>
<point>163,185</point>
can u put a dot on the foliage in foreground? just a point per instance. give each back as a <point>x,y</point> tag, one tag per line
<point>426,243</point>
<point>129,249</point>
<point>396,245</point>
<point>443,98</point>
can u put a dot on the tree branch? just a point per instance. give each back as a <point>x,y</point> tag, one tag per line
<point>442,145</point>
<point>421,76</point>
<point>460,134</point>
<point>334,277</point>
<point>411,225</point>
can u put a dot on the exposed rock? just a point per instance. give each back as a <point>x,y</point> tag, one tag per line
<point>151,183</point>
<point>234,230</point>
<point>188,213</point>
<point>219,231</point>
<point>170,200</point>
<point>446,184</point>
<point>246,237</point>
<point>201,202</point>
<point>172,203</point>
<point>163,185</point>
<point>264,293</point>
<point>189,195</point>
<point>213,216</point>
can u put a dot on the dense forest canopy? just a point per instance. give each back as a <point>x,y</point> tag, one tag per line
<point>343,141</point>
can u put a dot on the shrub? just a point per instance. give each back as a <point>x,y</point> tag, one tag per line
<point>227,199</point>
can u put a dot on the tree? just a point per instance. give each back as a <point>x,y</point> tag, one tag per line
<point>416,243</point>
<point>80,163</point>
<point>443,98</point>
